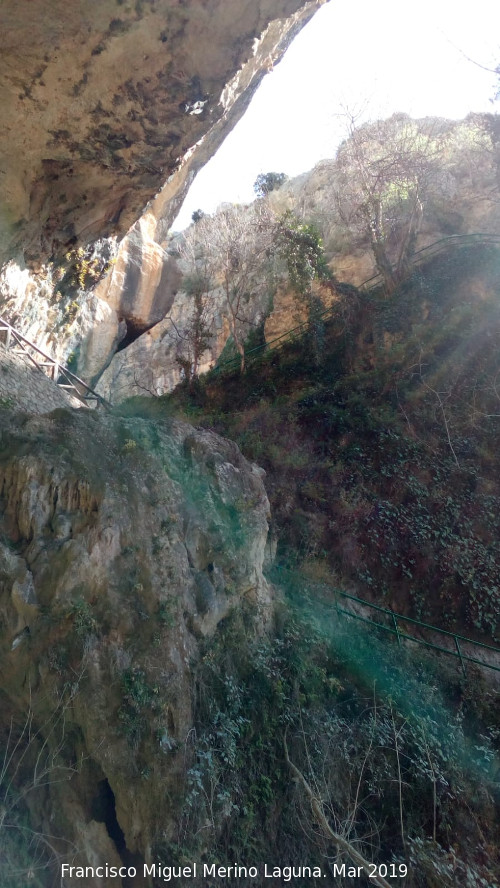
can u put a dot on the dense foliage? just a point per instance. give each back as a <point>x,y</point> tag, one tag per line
<point>381,460</point>
<point>382,469</point>
<point>393,764</point>
<point>301,247</point>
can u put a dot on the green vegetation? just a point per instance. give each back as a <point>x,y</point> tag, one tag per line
<point>140,702</point>
<point>197,215</point>
<point>377,427</point>
<point>301,247</point>
<point>83,268</point>
<point>84,621</point>
<point>382,470</point>
<point>381,462</point>
<point>394,765</point>
<point>80,270</point>
<point>267,182</point>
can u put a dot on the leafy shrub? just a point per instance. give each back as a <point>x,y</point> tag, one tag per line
<point>369,729</point>
<point>267,182</point>
<point>140,700</point>
<point>84,622</point>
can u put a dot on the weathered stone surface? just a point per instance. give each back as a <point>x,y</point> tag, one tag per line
<point>143,289</point>
<point>26,388</point>
<point>103,102</point>
<point>290,311</point>
<point>466,203</point>
<point>143,280</point>
<point>149,367</point>
<point>64,325</point>
<point>132,541</point>
<point>146,367</point>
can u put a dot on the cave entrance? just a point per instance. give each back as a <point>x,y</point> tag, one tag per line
<point>103,809</point>
<point>134,330</point>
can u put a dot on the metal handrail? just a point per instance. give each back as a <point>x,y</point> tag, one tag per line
<point>72,379</point>
<point>390,612</point>
<point>450,240</point>
<point>396,618</point>
<point>400,618</point>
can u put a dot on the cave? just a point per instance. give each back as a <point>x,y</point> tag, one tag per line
<point>134,330</point>
<point>103,809</point>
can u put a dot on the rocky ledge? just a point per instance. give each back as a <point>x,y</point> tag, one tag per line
<point>123,545</point>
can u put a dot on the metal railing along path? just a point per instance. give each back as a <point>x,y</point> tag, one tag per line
<point>457,641</point>
<point>49,366</point>
<point>422,255</point>
<point>396,619</point>
<point>460,646</point>
<point>427,252</point>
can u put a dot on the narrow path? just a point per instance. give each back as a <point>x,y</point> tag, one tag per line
<point>46,364</point>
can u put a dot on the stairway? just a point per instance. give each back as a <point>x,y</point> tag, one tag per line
<point>18,344</point>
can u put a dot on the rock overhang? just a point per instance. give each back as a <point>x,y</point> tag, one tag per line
<point>105,104</point>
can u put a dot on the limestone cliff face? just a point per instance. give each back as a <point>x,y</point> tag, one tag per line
<point>105,102</point>
<point>123,544</point>
<point>57,307</point>
<point>464,200</point>
<point>142,291</point>
<point>149,365</point>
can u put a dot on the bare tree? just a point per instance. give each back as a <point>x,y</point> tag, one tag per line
<point>195,334</point>
<point>386,171</point>
<point>33,758</point>
<point>228,252</point>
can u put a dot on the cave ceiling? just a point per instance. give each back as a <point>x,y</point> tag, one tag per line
<point>107,103</point>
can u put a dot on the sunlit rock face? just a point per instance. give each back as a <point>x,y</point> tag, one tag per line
<point>124,543</point>
<point>103,103</point>
<point>150,366</point>
<point>463,201</point>
<point>70,323</point>
<point>124,333</point>
<point>144,278</point>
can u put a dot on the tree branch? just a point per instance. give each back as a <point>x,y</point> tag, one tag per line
<point>317,809</point>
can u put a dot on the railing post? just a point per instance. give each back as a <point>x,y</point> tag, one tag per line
<point>396,627</point>
<point>459,652</point>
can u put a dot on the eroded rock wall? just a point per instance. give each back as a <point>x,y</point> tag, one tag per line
<point>140,308</point>
<point>124,543</point>
<point>105,102</point>
<point>462,200</point>
<point>23,387</point>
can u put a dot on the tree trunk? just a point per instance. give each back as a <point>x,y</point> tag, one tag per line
<point>377,239</point>
<point>384,266</point>
<point>407,249</point>
<point>241,351</point>
<point>237,341</point>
